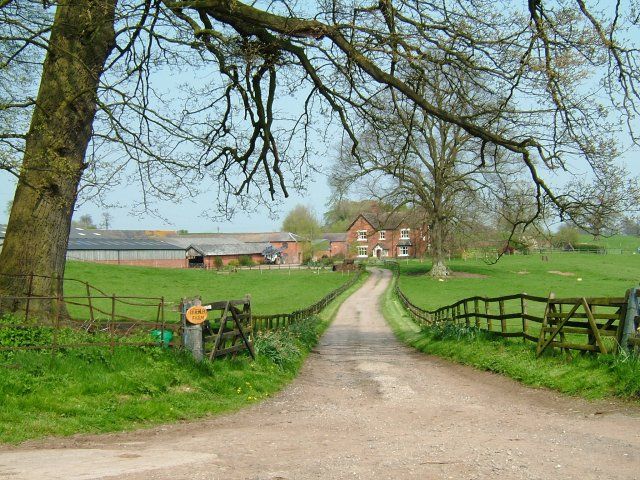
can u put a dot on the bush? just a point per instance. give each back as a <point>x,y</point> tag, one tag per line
<point>588,247</point>
<point>233,263</point>
<point>218,263</point>
<point>288,346</point>
<point>245,261</point>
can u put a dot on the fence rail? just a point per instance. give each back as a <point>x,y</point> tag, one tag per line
<point>594,324</point>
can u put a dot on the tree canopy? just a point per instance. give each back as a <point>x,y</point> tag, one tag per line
<point>553,83</point>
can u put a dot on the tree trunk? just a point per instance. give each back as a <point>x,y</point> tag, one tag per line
<point>38,230</point>
<point>439,268</point>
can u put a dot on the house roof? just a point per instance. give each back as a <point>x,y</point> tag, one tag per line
<point>387,220</point>
<point>216,249</point>
<point>335,237</point>
<point>97,243</point>
<point>3,230</point>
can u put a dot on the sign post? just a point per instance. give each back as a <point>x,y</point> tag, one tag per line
<point>192,319</point>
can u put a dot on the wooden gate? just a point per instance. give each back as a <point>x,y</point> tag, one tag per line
<point>228,330</point>
<point>569,318</point>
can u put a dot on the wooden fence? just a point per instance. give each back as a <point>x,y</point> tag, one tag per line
<point>108,321</point>
<point>263,323</point>
<point>595,324</point>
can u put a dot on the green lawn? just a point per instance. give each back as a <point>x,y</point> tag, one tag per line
<point>275,291</point>
<point>601,275</point>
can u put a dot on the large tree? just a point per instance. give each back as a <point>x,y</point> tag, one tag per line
<point>557,74</point>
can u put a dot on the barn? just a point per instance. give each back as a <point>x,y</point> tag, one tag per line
<point>203,255</point>
<point>132,251</point>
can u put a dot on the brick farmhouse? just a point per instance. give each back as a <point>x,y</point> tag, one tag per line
<point>388,235</point>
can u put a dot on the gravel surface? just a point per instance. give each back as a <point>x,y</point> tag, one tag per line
<point>365,406</point>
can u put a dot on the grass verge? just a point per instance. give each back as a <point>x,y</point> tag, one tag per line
<point>585,376</point>
<point>93,391</point>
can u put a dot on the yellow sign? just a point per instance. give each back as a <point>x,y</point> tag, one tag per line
<point>196,315</point>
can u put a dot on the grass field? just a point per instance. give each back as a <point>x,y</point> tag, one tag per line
<point>275,291</point>
<point>628,243</point>
<point>90,390</point>
<point>600,275</point>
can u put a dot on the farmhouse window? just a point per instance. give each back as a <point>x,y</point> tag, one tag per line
<point>383,234</point>
<point>362,251</point>
<point>404,234</point>
<point>362,235</point>
<point>404,251</point>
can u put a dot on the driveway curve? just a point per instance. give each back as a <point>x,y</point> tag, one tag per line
<point>366,406</point>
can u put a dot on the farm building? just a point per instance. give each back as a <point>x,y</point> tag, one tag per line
<point>337,244</point>
<point>203,255</point>
<point>3,231</point>
<point>289,243</point>
<point>142,252</point>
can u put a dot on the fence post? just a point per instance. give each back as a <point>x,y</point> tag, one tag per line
<point>111,323</point>
<point>475,312</point>
<point>89,302</point>
<point>466,314</point>
<point>29,293</point>
<point>192,334</point>
<point>503,321</point>
<point>486,312</point>
<point>523,309</point>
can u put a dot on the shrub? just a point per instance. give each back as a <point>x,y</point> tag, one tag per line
<point>245,261</point>
<point>233,263</point>
<point>287,347</point>
<point>588,247</point>
<point>218,263</point>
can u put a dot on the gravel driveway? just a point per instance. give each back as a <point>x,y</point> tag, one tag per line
<point>366,406</point>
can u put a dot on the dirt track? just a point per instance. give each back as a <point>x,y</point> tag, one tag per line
<point>365,406</point>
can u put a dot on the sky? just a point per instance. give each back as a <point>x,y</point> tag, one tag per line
<point>187,215</point>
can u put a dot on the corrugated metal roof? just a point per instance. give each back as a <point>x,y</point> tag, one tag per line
<point>187,241</point>
<point>3,230</point>
<point>230,248</point>
<point>97,243</point>
<point>242,237</point>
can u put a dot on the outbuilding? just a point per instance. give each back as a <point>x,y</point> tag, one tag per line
<point>142,252</point>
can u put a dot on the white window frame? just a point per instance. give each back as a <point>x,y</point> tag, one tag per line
<point>361,249</point>
<point>362,235</point>
<point>404,233</point>
<point>382,235</point>
<point>405,249</point>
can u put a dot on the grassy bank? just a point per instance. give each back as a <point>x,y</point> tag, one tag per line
<point>92,391</point>
<point>586,376</point>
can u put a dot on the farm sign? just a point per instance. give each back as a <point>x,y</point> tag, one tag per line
<point>196,314</point>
